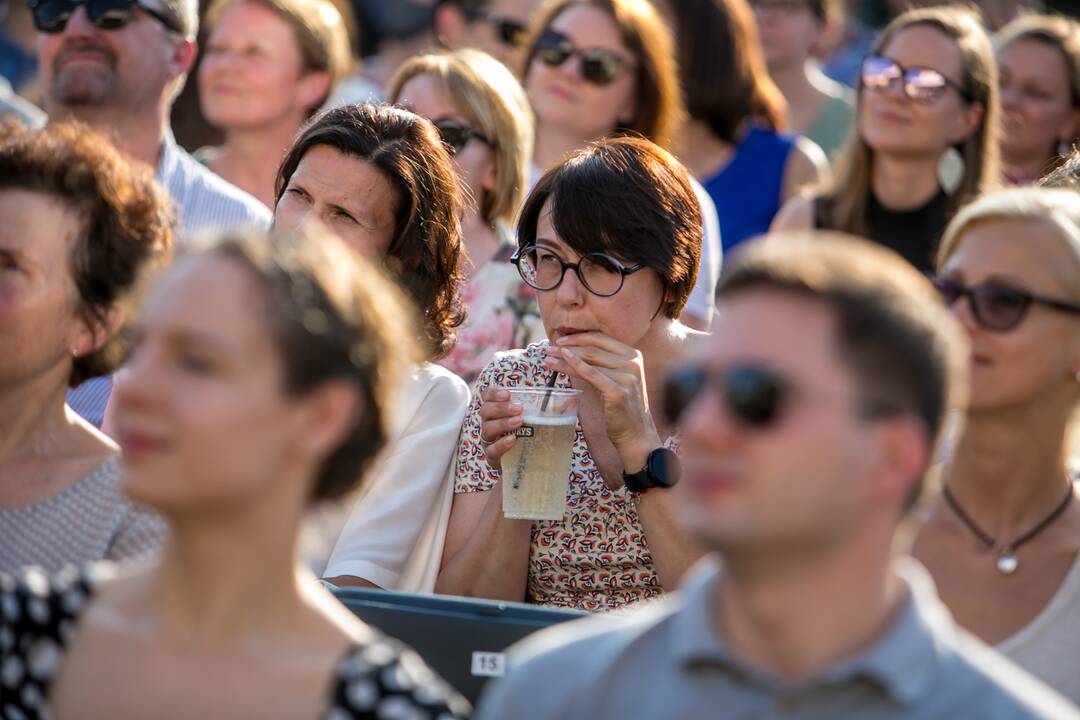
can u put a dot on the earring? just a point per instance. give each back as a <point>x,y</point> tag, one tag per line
<point>950,170</point>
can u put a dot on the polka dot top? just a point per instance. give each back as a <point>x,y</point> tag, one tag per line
<point>378,680</point>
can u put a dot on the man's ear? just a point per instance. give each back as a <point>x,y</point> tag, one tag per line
<point>904,456</point>
<point>183,57</point>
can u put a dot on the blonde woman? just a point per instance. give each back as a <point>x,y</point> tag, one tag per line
<point>1003,542</point>
<point>1039,61</point>
<point>268,66</point>
<point>485,121</point>
<point>926,137</point>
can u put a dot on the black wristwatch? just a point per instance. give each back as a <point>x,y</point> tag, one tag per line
<point>661,471</point>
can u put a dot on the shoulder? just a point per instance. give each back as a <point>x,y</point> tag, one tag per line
<point>208,194</point>
<point>795,214</point>
<point>382,678</point>
<point>440,384</point>
<point>806,160</point>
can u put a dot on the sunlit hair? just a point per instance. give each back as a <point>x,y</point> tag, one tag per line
<point>1066,175</point>
<point>1056,209</point>
<point>492,102</point>
<point>425,252</point>
<point>724,78</point>
<point>906,354</point>
<point>187,13</point>
<point>845,203</point>
<point>125,222</point>
<point>319,30</point>
<point>332,317</point>
<point>658,101</point>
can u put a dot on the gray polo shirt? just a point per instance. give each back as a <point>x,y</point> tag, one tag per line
<point>667,661</point>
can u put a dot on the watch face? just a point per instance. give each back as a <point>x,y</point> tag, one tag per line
<point>664,469</point>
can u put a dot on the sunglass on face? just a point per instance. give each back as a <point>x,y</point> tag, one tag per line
<point>600,274</point>
<point>510,32</point>
<point>456,135</point>
<point>598,66</point>
<point>996,307</point>
<point>51,16</point>
<point>922,85</point>
<point>754,395</point>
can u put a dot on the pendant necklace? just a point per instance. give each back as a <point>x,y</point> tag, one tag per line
<point>1007,562</point>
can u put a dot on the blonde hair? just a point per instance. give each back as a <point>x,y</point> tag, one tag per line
<point>1058,210</point>
<point>493,103</point>
<point>320,31</point>
<point>848,196</point>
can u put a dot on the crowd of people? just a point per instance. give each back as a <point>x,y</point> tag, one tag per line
<point>258,337</point>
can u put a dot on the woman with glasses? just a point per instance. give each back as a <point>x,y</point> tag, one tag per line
<point>1003,541</point>
<point>611,241</point>
<point>267,67</point>
<point>1039,62</point>
<point>381,178</point>
<point>605,68</point>
<point>485,121</point>
<point>793,33</point>
<point>926,138</point>
<point>497,27</point>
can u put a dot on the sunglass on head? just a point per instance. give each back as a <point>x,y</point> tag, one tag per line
<point>598,66</point>
<point>754,395</point>
<point>456,135</point>
<point>996,307</point>
<point>601,274</point>
<point>51,16</point>
<point>922,85</point>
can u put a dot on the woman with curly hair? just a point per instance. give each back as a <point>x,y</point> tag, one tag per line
<point>381,178</point>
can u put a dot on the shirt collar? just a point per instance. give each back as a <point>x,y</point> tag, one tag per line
<point>170,157</point>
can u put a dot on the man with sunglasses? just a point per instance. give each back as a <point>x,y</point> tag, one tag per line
<point>118,65</point>
<point>498,27</point>
<point>807,426</point>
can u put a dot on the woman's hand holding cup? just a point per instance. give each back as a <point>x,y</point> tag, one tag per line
<point>499,418</point>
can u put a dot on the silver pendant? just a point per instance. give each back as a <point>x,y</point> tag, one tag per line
<point>1007,563</point>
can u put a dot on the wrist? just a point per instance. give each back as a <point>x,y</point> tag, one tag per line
<point>635,455</point>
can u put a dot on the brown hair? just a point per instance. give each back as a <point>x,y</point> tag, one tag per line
<point>319,29</point>
<point>631,199</point>
<point>659,105</point>
<point>905,352</point>
<point>357,336</point>
<point>425,252</point>
<point>845,203</point>
<point>724,77</point>
<point>1066,175</point>
<point>125,215</point>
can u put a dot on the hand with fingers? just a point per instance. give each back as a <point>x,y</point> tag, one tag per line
<point>616,371</point>
<point>499,418</point>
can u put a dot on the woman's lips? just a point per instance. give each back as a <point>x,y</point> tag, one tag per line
<point>137,444</point>
<point>566,332</point>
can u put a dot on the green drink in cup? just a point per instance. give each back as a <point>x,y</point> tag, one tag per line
<point>536,470</point>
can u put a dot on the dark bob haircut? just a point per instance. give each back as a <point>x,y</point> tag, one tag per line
<point>628,198</point>
<point>425,251</point>
<point>126,222</point>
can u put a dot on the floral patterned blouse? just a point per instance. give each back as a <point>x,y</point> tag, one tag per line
<point>596,557</point>
<point>502,315</point>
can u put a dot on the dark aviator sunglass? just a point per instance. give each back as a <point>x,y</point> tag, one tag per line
<point>510,32</point>
<point>456,135</point>
<point>598,65</point>
<point>52,16</point>
<point>754,395</point>
<point>922,85</point>
<point>599,273</point>
<point>996,307</point>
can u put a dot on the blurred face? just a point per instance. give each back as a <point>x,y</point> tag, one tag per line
<point>1036,100</point>
<point>561,97</point>
<point>501,33</point>
<point>128,68</point>
<point>200,411</point>
<point>39,328</point>
<point>346,194</point>
<point>1036,362</point>
<point>799,482</point>
<point>626,316</point>
<point>789,31</point>
<point>475,162</point>
<point>252,71</point>
<point>892,123</point>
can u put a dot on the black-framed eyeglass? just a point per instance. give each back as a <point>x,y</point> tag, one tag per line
<point>456,134</point>
<point>510,32</point>
<point>598,273</point>
<point>920,84</point>
<point>754,395</point>
<point>599,66</point>
<point>996,307</point>
<point>52,16</point>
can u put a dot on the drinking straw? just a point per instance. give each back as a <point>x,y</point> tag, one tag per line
<point>550,387</point>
